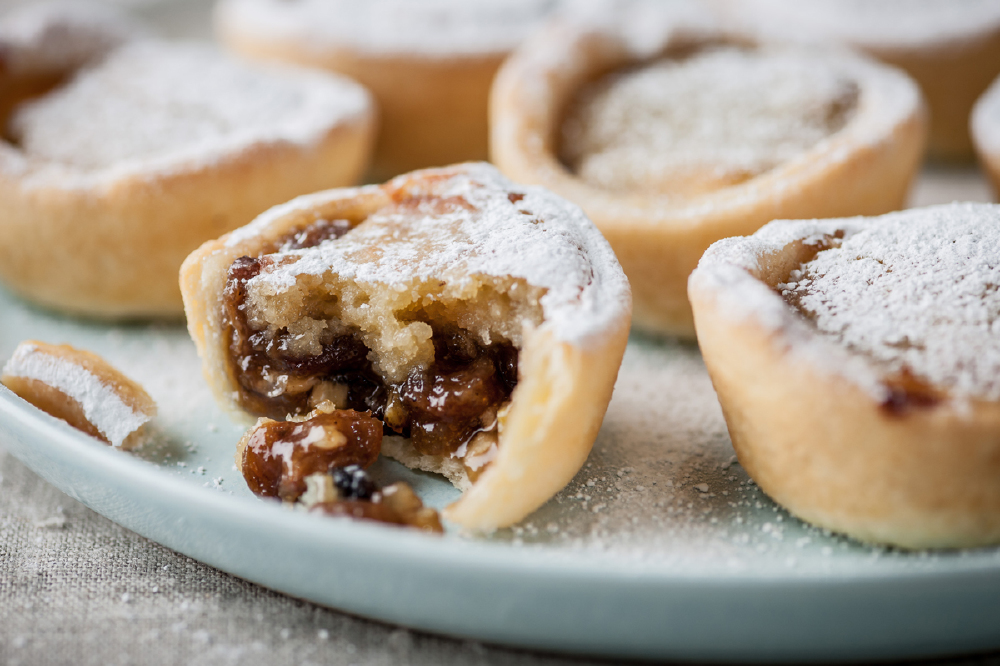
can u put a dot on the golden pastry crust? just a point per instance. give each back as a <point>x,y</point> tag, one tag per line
<point>838,437</point>
<point>863,168</point>
<point>505,264</point>
<point>952,51</point>
<point>432,89</point>
<point>99,215</point>
<point>82,389</point>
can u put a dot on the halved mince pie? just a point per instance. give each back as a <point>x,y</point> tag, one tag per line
<point>110,179</point>
<point>673,144</point>
<point>857,362</point>
<point>481,321</point>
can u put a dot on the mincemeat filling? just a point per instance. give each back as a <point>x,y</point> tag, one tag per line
<point>439,408</point>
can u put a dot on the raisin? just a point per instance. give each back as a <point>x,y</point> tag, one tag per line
<point>316,233</point>
<point>353,483</point>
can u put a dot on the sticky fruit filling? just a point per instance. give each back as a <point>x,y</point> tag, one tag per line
<point>441,405</point>
<point>318,461</point>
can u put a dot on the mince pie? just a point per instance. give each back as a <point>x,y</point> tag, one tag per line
<point>857,362</point>
<point>482,323</point>
<point>110,179</point>
<point>673,144</point>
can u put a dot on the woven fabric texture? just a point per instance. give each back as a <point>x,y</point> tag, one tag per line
<point>77,589</point>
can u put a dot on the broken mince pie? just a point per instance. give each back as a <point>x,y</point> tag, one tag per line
<point>857,362</point>
<point>483,323</point>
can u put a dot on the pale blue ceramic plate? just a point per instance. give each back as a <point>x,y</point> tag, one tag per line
<point>660,548</point>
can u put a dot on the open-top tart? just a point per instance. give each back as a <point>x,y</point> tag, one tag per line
<point>857,362</point>
<point>671,144</point>
<point>110,179</point>
<point>481,321</point>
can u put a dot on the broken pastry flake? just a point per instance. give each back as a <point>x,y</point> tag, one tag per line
<point>82,389</point>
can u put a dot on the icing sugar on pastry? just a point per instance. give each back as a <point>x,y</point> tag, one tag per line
<point>111,404</point>
<point>883,23</point>
<point>154,105</point>
<point>52,37</point>
<point>430,27</point>
<point>918,290</point>
<point>487,232</point>
<point>711,120</point>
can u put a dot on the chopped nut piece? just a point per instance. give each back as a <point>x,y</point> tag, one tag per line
<point>82,389</point>
<point>396,504</point>
<point>319,488</point>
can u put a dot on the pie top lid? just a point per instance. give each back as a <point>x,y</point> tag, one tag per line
<point>157,107</point>
<point>468,220</point>
<point>916,291</point>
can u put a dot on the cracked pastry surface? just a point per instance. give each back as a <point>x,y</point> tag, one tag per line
<point>113,177</point>
<point>429,64</point>
<point>670,144</point>
<point>482,322</point>
<point>858,365</point>
<point>82,389</point>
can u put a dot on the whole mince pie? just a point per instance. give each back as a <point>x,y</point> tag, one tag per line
<point>477,323</point>
<point>671,134</point>
<point>857,362</point>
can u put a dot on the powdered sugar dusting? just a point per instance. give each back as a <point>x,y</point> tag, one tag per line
<point>52,37</point>
<point>152,106</point>
<point>538,237</point>
<point>433,28</point>
<point>714,119</point>
<point>917,290</point>
<point>985,123</point>
<point>100,402</point>
<point>869,24</point>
